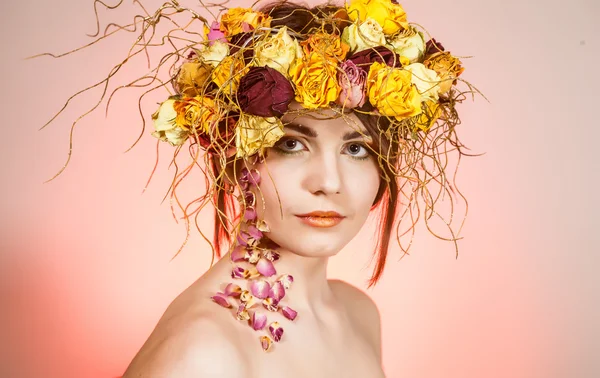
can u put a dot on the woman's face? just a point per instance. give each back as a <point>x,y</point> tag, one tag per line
<point>319,165</point>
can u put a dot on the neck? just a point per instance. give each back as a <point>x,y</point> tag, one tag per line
<point>310,288</point>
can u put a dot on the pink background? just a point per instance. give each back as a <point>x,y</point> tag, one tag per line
<point>85,271</point>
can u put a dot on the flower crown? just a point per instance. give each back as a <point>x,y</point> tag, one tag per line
<point>238,84</point>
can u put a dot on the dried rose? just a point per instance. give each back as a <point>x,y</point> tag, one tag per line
<point>352,83</point>
<point>315,78</point>
<point>277,51</point>
<point>239,20</point>
<point>381,54</point>
<point>427,81</point>
<point>392,92</point>
<point>255,134</point>
<point>264,92</point>
<point>410,44</point>
<point>327,45</point>
<point>448,68</point>
<point>389,15</point>
<point>191,79</point>
<point>432,46</point>
<point>366,35</point>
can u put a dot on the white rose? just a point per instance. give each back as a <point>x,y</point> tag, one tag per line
<point>254,134</point>
<point>166,126</point>
<point>278,51</point>
<point>427,81</point>
<point>409,43</point>
<point>368,34</point>
<point>214,53</point>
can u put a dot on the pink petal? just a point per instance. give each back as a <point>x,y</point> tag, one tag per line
<point>250,199</point>
<point>265,267</point>
<point>260,289</point>
<point>215,34</point>
<point>254,233</point>
<point>242,313</point>
<point>266,343</point>
<point>271,255</point>
<point>259,321</point>
<point>270,304</point>
<point>276,331</point>
<point>249,214</point>
<point>286,281</point>
<point>289,313</point>
<point>251,177</point>
<point>239,272</point>
<point>262,226</point>
<point>238,253</point>
<point>233,290</point>
<point>252,256</point>
<point>243,238</point>
<point>221,299</point>
<point>253,273</point>
<point>277,291</point>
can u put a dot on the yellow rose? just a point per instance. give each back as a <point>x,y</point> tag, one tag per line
<point>447,67</point>
<point>191,78</point>
<point>240,20</point>
<point>166,125</point>
<point>277,51</point>
<point>197,114</point>
<point>409,43</point>
<point>431,112</point>
<point>316,81</point>
<point>328,45</point>
<point>427,81</point>
<point>390,16</point>
<point>391,91</point>
<point>228,73</point>
<point>368,34</point>
<point>254,134</point>
<point>214,53</point>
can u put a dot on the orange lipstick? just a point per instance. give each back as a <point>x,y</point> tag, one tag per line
<point>321,219</point>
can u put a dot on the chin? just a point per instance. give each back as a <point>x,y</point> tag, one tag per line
<point>310,242</point>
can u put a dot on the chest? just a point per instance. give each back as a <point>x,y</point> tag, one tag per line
<point>307,355</point>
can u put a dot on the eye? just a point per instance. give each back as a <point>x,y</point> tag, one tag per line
<point>289,146</point>
<point>357,150</point>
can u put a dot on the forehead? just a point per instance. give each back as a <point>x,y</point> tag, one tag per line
<point>327,120</point>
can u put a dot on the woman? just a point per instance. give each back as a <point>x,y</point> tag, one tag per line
<point>314,167</point>
<point>309,120</point>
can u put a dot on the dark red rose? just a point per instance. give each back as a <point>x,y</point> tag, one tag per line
<point>264,92</point>
<point>363,59</point>
<point>243,41</point>
<point>432,46</point>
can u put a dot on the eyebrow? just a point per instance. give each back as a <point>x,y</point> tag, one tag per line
<point>311,133</point>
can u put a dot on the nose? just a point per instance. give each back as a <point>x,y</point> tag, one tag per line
<point>324,175</point>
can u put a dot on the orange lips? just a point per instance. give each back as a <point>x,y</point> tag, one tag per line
<point>321,219</point>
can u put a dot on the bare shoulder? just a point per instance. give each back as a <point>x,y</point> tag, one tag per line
<point>363,310</point>
<point>189,341</point>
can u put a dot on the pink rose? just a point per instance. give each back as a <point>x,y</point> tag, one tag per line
<point>215,34</point>
<point>352,82</point>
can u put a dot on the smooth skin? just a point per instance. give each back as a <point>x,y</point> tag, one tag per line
<point>320,164</point>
